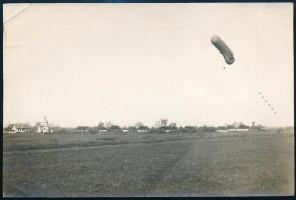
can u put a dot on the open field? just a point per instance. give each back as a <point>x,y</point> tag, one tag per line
<point>209,164</point>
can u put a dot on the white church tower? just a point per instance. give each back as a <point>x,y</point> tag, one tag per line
<point>45,127</point>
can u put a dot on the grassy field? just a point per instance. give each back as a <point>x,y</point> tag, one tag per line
<point>179,164</point>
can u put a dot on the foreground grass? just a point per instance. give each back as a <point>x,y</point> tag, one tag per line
<point>148,165</point>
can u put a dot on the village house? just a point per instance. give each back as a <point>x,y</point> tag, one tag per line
<point>143,129</point>
<point>189,129</point>
<point>259,127</point>
<point>243,128</point>
<point>222,129</point>
<point>44,127</point>
<point>126,130</point>
<point>82,129</point>
<point>101,129</point>
<point>114,129</point>
<point>131,129</point>
<point>231,128</point>
<point>240,128</point>
<point>19,128</point>
<point>168,129</point>
<point>161,123</point>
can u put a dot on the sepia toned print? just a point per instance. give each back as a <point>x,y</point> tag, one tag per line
<point>148,100</point>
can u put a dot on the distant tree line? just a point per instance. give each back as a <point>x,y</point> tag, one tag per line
<point>162,126</point>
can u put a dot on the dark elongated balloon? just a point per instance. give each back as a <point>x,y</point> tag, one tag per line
<point>223,48</point>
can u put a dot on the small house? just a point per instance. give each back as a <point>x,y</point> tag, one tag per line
<point>19,128</point>
<point>101,129</point>
<point>190,129</point>
<point>115,129</point>
<point>143,129</point>
<point>126,130</point>
<point>164,129</point>
<point>222,129</point>
<point>82,129</point>
<point>130,129</point>
<point>242,129</point>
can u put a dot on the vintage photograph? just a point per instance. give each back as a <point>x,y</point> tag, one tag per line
<point>148,99</point>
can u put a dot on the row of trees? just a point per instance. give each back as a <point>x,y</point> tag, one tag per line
<point>162,126</point>
<point>160,123</point>
<point>164,123</point>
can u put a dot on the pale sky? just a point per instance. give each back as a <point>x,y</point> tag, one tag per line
<point>79,64</point>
